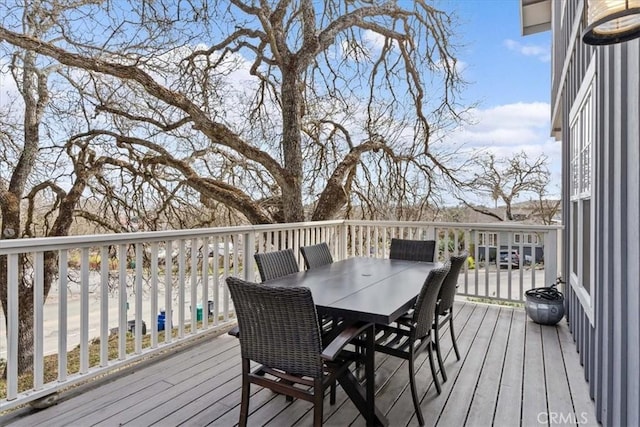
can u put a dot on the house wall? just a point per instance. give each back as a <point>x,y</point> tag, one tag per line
<point>607,334</point>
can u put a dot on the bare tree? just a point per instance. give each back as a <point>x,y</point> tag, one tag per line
<point>331,89</point>
<point>275,111</point>
<point>47,164</point>
<point>508,180</point>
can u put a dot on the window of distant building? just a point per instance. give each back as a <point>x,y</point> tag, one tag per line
<point>581,146</point>
<point>488,239</point>
<point>525,238</point>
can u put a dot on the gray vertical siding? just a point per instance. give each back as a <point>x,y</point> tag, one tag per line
<point>632,244</point>
<point>609,346</point>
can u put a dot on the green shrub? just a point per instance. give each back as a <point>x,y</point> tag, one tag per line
<point>471,264</point>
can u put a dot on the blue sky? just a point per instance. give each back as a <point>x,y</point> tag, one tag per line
<point>503,66</point>
<point>509,77</point>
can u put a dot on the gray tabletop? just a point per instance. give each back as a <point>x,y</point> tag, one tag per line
<point>368,289</point>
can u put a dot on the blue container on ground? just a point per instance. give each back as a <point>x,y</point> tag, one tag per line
<point>161,320</point>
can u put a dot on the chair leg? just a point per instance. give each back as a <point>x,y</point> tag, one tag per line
<point>414,391</point>
<point>433,369</point>
<point>244,400</point>
<point>453,337</point>
<point>439,353</point>
<point>332,394</point>
<point>287,397</point>
<point>318,399</point>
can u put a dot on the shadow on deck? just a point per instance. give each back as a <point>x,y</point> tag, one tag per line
<point>512,372</point>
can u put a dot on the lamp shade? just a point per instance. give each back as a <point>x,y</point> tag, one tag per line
<point>611,21</point>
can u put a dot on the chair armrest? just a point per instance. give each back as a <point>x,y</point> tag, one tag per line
<point>234,332</point>
<point>334,348</point>
<point>406,319</point>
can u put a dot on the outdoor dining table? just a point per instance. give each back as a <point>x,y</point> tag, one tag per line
<point>371,290</point>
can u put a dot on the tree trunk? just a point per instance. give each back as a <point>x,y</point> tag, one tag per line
<point>25,330</point>
<point>35,95</point>
<point>292,207</point>
<point>25,318</point>
<point>11,230</point>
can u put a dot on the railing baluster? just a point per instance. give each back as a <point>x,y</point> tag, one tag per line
<point>476,241</point>
<point>168,288</point>
<point>38,322</point>
<point>216,278</point>
<point>12,325</point>
<point>154,294</point>
<point>138,283</point>
<point>193,292</point>
<point>181,286</point>
<point>63,264</point>
<point>205,283</point>
<point>225,291</point>
<point>122,302</point>
<point>84,311</point>
<point>236,267</point>
<point>104,305</point>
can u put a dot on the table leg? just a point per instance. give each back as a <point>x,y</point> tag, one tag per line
<point>369,369</point>
<point>364,398</point>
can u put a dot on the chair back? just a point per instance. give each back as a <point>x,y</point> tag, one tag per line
<point>316,255</point>
<point>412,250</point>
<point>425,308</point>
<point>272,265</point>
<point>450,283</point>
<point>279,327</point>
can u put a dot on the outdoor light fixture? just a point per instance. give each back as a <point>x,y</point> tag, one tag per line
<point>611,21</point>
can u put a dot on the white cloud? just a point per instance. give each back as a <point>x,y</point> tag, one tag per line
<point>374,41</point>
<point>370,45</point>
<point>8,89</point>
<point>542,53</point>
<point>509,129</point>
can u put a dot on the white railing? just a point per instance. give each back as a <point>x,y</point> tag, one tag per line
<point>537,249</point>
<point>109,290</point>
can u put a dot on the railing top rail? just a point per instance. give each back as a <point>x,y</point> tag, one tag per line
<point>72,242</point>
<point>507,225</point>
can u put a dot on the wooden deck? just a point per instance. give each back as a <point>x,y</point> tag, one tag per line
<point>512,372</point>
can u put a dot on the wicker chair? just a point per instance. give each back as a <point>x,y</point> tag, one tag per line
<point>413,250</point>
<point>445,306</point>
<point>410,338</point>
<point>272,265</point>
<point>316,255</point>
<point>281,333</point>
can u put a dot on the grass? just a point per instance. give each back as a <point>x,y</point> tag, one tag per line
<point>25,381</point>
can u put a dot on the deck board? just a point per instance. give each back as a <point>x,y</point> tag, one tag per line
<point>582,404</point>
<point>534,400</point>
<point>511,370</point>
<point>486,392</point>
<point>467,378</point>
<point>433,404</point>
<point>510,389</point>
<point>557,385</point>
